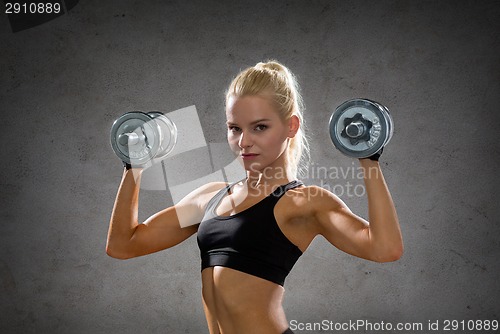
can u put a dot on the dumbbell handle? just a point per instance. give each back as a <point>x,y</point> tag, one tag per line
<point>355,129</point>
<point>131,138</point>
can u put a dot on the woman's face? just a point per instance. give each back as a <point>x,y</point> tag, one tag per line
<point>256,133</point>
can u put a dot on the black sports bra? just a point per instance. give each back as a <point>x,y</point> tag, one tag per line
<point>249,241</point>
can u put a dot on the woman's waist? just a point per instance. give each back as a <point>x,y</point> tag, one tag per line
<point>240,293</point>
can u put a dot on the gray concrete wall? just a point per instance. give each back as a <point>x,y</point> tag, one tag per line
<point>436,65</point>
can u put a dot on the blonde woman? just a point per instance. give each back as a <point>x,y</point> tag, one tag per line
<point>251,233</point>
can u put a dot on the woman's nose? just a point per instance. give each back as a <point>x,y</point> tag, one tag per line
<point>245,140</point>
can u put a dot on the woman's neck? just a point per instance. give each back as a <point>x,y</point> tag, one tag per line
<point>270,176</point>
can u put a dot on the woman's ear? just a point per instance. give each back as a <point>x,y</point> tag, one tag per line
<point>293,126</point>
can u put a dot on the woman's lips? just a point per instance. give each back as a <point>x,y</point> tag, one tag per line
<point>249,156</point>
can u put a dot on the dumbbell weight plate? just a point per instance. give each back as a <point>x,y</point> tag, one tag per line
<point>168,133</point>
<point>387,114</point>
<point>371,119</point>
<point>135,138</point>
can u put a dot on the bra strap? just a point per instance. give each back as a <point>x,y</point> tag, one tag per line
<point>281,190</point>
<point>215,201</point>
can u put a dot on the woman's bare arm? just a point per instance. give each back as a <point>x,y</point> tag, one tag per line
<point>378,240</point>
<point>167,228</point>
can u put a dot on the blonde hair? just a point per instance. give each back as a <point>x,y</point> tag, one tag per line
<point>277,80</point>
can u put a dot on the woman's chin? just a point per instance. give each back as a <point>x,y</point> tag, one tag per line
<point>252,167</point>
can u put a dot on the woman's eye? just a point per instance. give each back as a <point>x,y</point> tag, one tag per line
<point>234,129</point>
<point>261,127</point>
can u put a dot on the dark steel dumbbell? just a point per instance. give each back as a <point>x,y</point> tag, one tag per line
<point>360,128</point>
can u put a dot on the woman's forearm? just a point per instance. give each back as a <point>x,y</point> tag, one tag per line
<point>124,217</point>
<point>384,230</point>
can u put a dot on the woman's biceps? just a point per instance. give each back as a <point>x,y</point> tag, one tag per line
<point>343,227</point>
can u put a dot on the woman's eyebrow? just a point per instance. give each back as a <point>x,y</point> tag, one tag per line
<point>260,120</point>
<point>254,122</point>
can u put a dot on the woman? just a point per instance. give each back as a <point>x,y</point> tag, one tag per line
<point>252,232</point>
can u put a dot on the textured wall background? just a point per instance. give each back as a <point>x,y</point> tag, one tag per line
<point>436,65</point>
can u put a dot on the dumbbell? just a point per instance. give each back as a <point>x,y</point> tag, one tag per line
<point>137,137</point>
<point>359,128</point>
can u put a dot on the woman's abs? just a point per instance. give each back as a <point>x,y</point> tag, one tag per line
<point>238,303</point>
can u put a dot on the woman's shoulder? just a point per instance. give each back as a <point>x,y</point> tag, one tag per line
<point>311,197</point>
<point>299,208</point>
